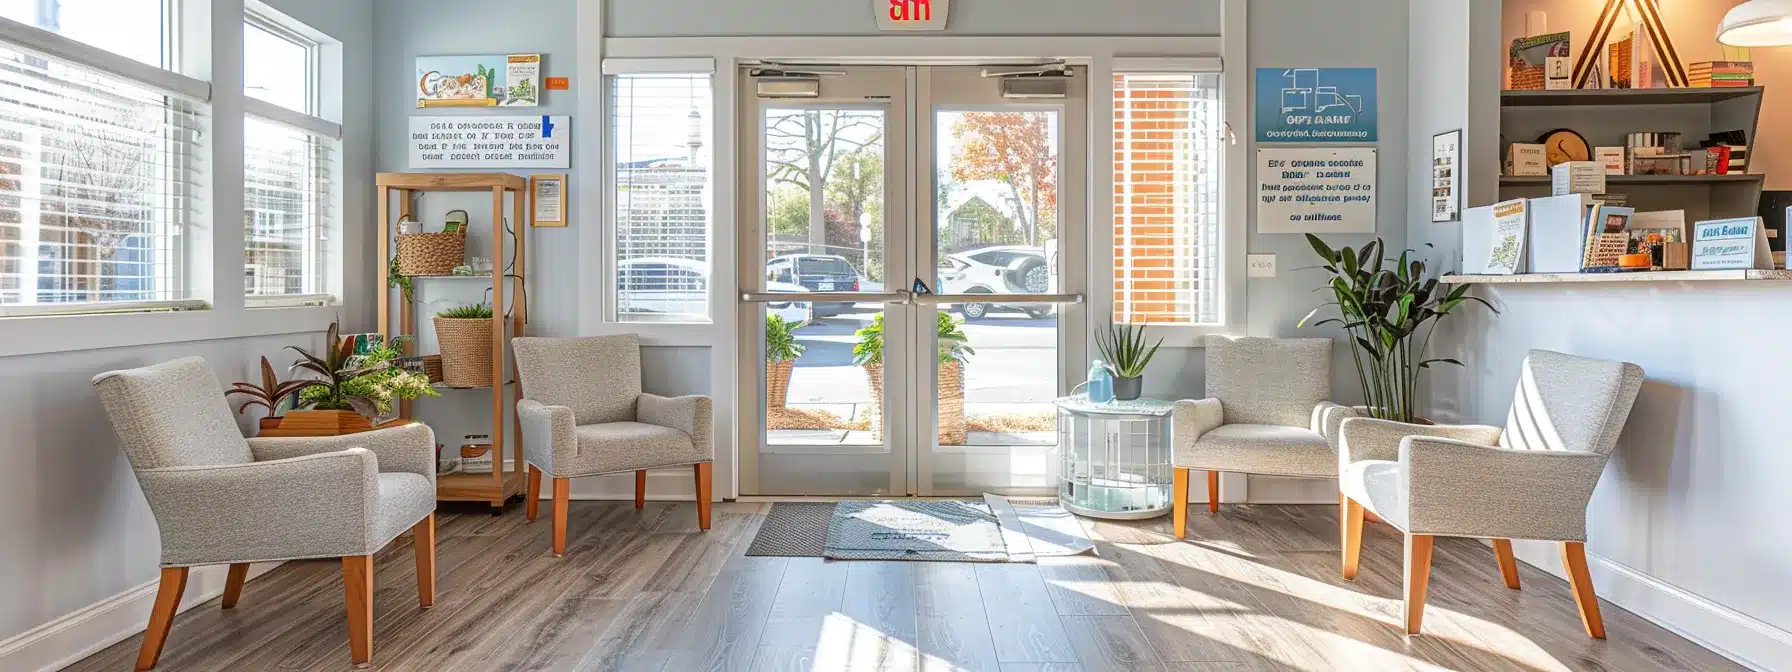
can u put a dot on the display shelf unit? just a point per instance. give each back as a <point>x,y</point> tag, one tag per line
<point>500,485</point>
<point>1605,116</point>
<point>1731,275</point>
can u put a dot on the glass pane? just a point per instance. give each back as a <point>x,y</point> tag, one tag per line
<point>996,210</point>
<point>824,223</point>
<point>662,152</point>
<point>276,68</point>
<point>131,28</point>
<point>283,209</point>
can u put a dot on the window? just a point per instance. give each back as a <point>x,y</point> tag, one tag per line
<point>123,27</point>
<point>289,166</point>
<point>96,181</point>
<point>1168,167</point>
<point>660,141</point>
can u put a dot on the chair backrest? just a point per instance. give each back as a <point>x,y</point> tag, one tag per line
<point>172,415</point>
<point>1570,403</point>
<point>1269,381</point>
<point>598,377</point>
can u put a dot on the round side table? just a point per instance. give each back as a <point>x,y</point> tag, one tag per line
<point>1116,457</point>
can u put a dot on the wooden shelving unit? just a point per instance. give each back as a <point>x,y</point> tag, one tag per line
<point>499,485</point>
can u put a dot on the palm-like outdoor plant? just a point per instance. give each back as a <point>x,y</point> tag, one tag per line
<point>780,340</point>
<point>270,393</point>
<point>1383,311</point>
<point>954,344</point>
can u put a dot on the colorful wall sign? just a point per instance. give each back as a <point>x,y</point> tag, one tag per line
<point>1316,105</point>
<point>911,14</point>
<point>494,80</point>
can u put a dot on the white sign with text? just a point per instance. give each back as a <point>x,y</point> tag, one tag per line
<point>535,141</point>
<point>1730,243</point>
<point>1316,190</point>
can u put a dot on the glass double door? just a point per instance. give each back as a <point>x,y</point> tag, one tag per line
<point>909,271</point>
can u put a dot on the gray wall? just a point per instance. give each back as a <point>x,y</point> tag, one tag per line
<point>692,18</point>
<point>79,531</point>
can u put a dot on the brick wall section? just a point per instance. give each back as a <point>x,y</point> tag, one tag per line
<point>1147,122</point>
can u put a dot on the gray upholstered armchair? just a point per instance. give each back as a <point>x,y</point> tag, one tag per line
<point>221,499</point>
<point>1265,413</point>
<point>1530,481</point>
<point>584,414</point>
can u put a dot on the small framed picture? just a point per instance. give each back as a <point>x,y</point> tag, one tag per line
<point>1446,189</point>
<point>547,199</point>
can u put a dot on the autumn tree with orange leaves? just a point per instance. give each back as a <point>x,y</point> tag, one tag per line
<point>1014,148</point>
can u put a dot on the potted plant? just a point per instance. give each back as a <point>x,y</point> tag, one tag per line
<point>352,392</point>
<point>464,334</point>
<point>953,353</point>
<point>781,352</point>
<point>1389,316</point>
<point>1123,346</point>
<point>269,395</point>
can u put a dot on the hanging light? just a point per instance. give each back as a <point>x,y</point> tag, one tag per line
<point>1757,23</point>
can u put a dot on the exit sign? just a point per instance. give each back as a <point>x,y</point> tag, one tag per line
<point>910,14</point>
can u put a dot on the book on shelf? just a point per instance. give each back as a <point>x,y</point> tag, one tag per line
<point>1607,236</point>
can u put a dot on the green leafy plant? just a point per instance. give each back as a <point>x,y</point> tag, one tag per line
<point>476,311</point>
<point>780,340</point>
<point>1123,346</point>
<point>270,393</point>
<point>396,279</point>
<point>366,383</point>
<point>954,344</point>
<point>1383,311</point>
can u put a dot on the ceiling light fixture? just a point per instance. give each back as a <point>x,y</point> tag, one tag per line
<point>1757,23</point>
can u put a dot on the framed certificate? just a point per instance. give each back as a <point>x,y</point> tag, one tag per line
<point>547,199</point>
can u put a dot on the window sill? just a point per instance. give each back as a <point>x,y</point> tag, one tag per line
<point>73,333</point>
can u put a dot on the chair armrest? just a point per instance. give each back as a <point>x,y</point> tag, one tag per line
<point>407,448</point>
<point>1190,418</point>
<point>549,432</point>
<point>690,414</point>
<point>1376,439</point>
<point>309,506</point>
<point>1470,489</point>
<point>1327,421</point>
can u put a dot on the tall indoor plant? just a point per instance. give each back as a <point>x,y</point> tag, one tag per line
<point>954,352</point>
<point>1389,315</point>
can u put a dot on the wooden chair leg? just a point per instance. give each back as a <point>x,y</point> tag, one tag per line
<point>1352,533</point>
<point>161,616</point>
<point>562,489</point>
<point>357,581</point>
<point>1213,492</point>
<point>1179,501</point>
<point>233,583</point>
<point>423,543</point>
<point>1502,549</point>
<point>1574,559</point>
<point>640,488</point>
<point>1418,578</point>
<point>704,471</point>
<point>533,499</point>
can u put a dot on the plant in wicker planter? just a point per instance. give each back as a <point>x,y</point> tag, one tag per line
<point>954,352</point>
<point>781,352</point>
<point>464,335</point>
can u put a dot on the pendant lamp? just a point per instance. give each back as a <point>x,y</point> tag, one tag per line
<point>1757,23</point>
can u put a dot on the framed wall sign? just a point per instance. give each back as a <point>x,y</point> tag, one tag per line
<point>1730,243</point>
<point>1316,105</point>
<point>1446,178</point>
<point>547,199</point>
<point>1316,190</point>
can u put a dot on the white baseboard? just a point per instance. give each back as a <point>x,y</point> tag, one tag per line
<point>62,642</point>
<point>1733,634</point>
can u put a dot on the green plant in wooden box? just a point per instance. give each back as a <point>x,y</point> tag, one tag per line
<point>367,383</point>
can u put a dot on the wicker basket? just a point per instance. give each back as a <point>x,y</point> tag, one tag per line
<point>432,367</point>
<point>431,253</point>
<point>466,351</point>
<point>777,383</point>
<point>951,408</point>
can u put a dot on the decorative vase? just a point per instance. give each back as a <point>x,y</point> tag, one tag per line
<point>466,345</point>
<point>1127,389</point>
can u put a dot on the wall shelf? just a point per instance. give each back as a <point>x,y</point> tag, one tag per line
<point>1561,98</point>
<point>1635,276</point>
<point>1525,181</point>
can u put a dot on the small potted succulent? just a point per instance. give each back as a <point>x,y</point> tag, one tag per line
<point>1123,346</point>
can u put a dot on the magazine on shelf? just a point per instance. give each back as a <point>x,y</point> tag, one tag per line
<point>1607,236</point>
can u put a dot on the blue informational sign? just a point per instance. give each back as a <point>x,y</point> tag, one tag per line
<point>1316,105</point>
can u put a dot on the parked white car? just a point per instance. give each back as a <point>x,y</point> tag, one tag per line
<point>999,269</point>
<point>673,286</point>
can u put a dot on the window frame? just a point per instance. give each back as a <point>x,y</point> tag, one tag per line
<point>610,283</point>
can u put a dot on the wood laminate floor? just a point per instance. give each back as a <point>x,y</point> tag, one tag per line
<point>1252,588</point>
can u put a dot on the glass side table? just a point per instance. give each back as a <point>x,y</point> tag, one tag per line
<point>1116,457</point>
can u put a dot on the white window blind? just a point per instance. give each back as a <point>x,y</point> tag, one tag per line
<point>97,183</point>
<point>1167,184</point>
<point>289,209</point>
<point>661,148</point>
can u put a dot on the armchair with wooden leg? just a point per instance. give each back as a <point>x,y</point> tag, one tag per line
<point>584,414</point>
<point>220,499</point>
<point>1531,480</point>
<point>1265,413</point>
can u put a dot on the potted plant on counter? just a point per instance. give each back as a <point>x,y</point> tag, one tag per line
<point>352,392</point>
<point>1388,315</point>
<point>781,353</point>
<point>953,353</point>
<point>1123,346</point>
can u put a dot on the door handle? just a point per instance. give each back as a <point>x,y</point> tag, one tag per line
<point>901,297</point>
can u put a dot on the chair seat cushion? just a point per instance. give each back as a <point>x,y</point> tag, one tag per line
<point>404,499</point>
<point>1375,484</point>
<point>1260,449</point>
<point>626,446</point>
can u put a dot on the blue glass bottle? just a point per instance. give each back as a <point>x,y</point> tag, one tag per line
<point>1101,383</point>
